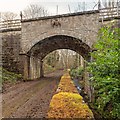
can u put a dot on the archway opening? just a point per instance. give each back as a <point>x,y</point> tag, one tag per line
<point>62,59</point>
<point>33,67</point>
<point>47,45</point>
<point>41,49</point>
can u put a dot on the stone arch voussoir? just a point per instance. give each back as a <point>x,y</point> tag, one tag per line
<point>41,37</point>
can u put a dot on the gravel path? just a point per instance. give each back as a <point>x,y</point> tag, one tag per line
<point>30,99</point>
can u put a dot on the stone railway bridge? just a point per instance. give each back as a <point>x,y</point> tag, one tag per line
<point>40,36</point>
<point>77,32</point>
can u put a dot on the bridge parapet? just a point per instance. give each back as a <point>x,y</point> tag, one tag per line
<point>108,13</point>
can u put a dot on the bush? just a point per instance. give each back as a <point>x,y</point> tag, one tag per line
<point>66,85</point>
<point>105,71</point>
<point>67,103</point>
<point>76,73</point>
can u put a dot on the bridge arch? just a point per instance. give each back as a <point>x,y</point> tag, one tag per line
<point>52,43</point>
<point>77,31</point>
<point>33,67</point>
<point>27,45</point>
<point>83,26</point>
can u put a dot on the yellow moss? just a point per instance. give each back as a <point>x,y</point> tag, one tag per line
<point>68,105</point>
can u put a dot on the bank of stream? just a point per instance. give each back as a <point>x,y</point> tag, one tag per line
<point>79,84</point>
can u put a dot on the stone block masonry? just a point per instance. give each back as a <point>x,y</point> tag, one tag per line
<point>10,51</point>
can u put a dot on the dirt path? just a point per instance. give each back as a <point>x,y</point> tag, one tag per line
<point>30,99</point>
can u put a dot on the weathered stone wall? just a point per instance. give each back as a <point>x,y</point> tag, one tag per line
<point>11,48</point>
<point>40,36</point>
<point>81,26</point>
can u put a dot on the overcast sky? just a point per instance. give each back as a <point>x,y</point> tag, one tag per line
<point>51,5</point>
<point>18,5</point>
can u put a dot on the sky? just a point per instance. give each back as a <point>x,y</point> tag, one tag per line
<point>51,5</point>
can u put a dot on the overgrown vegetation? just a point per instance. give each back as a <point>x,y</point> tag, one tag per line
<point>77,72</point>
<point>6,76</point>
<point>106,73</point>
<point>67,103</point>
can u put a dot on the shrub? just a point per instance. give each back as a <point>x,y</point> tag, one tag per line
<point>77,73</point>
<point>66,85</point>
<point>105,71</point>
<point>67,103</point>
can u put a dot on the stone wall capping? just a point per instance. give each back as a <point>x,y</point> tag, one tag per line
<point>60,16</point>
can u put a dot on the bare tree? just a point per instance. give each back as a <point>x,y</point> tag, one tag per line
<point>6,16</point>
<point>34,11</point>
<point>66,58</point>
<point>8,19</point>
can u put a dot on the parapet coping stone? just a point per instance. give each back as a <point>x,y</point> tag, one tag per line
<point>60,16</point>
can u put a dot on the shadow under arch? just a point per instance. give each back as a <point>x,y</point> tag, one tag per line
<point>50,44</point>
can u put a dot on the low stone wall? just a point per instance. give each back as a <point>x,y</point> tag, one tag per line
<point>67,103</point>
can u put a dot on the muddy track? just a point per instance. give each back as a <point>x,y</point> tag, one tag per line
<point>30,99</point>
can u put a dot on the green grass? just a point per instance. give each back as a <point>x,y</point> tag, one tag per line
<point>6,76</point>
